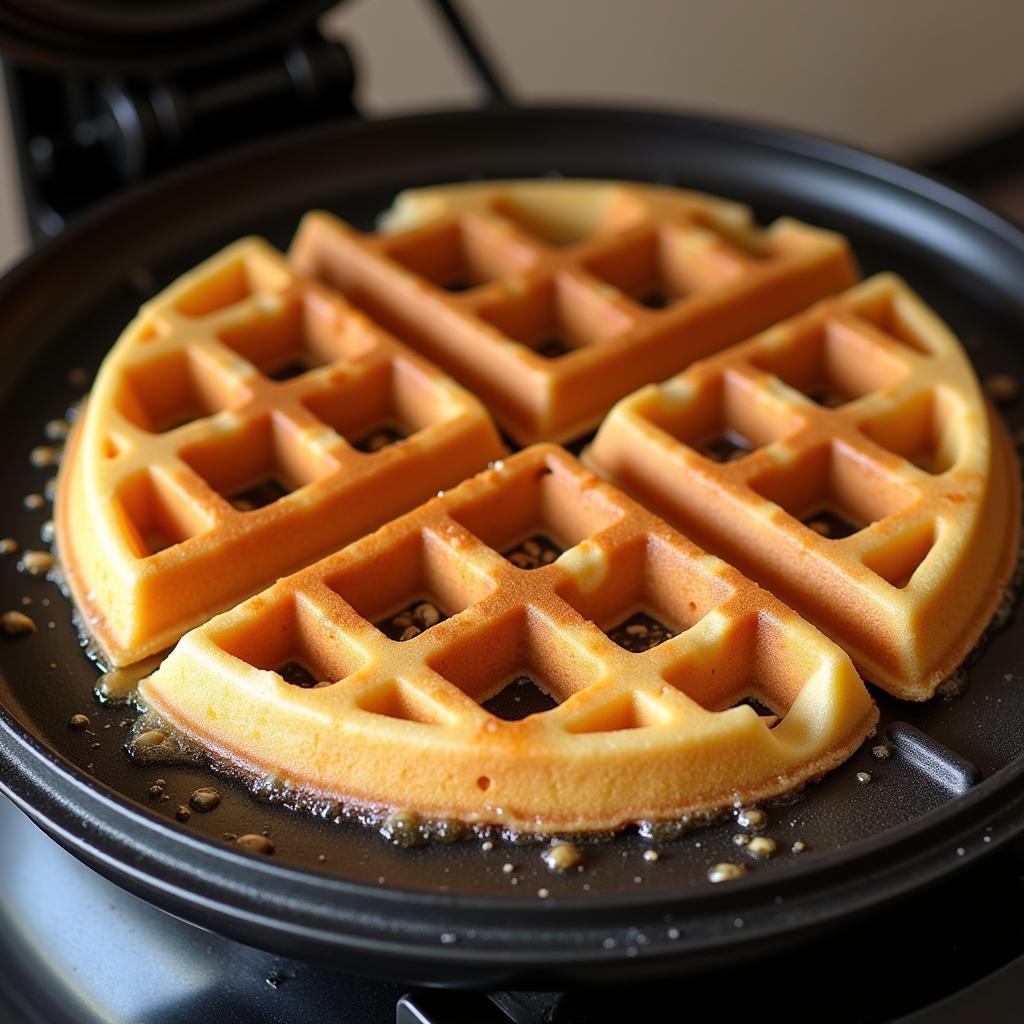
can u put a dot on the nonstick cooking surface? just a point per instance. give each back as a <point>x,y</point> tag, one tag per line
<point>64,310</point>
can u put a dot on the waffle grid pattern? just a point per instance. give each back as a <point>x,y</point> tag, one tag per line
<point>551,321</point>
<point>865,409</point>
<point>629,731</point>
<point>189,420</point>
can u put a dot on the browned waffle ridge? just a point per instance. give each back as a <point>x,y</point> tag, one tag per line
<point>400,722</point>
<point>232,436</point>
<point>537,295</point>
<point>865,407</point>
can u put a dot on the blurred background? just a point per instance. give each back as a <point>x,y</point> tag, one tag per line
<point>919,80</point>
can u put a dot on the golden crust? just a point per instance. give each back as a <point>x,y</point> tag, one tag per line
<point>634,736</point>
<point>909,453</point>
<point>532,293</point>
<point>540,297</point>
<point>186,415</point>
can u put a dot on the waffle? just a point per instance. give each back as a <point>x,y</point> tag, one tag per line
<point>847,460</point>
<point>553,299</point>
<point>246,423</point>
<point>389,719</point>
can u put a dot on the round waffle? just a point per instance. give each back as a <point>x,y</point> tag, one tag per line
<point>847,460</point>
<point>534,570</point>
<point>534,648</point>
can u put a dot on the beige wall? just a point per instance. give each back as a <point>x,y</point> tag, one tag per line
<point>900,76</point>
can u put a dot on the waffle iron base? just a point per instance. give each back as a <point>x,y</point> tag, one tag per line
<point>451,913</point>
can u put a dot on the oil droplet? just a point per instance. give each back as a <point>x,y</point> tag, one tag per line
<point>761,847</point>
<point>204,799</point>
<point>182,813</point>
<point>751,817</point>
<point>881,752</point>
<point>79,723</point>
<point>651,856</point>
<point>543,893</point>
<point>508,868</point>
<point>444,831</point>
<point>118,685</point>
<point>562,857</point>
<point>666,831</point>
<point>8,546</point>
<point>863,778</point>
<point>725,872</point>
<point>403,828</point>
<point>33,502</point>
<point>799,847</point>
<point>255,844</point>
<point>448,938</point>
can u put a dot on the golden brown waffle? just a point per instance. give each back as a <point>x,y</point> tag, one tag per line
<point>402,723</point>
<point>241,428</point>
<point>847,460</point>
<point>553,299</point>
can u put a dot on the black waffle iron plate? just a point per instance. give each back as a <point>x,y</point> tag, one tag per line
<point>340,894</point>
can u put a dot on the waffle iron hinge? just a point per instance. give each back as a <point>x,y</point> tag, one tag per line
<point>80,138</point>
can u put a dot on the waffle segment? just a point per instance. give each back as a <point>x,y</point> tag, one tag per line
<point>246,423</point>
<point>847,460</point>
<point>553,299</point>
<point>636,733</point>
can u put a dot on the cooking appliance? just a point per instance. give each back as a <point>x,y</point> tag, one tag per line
<point>934,831</point>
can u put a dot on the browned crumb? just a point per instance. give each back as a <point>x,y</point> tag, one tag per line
<point>204,799</point>
<point>256,843</point>
<point>36,563</point>
<point>43,456</point>
<point>57,430</point>
<point>725,872</point>
<point>16,624</point>
<point>1002,388</point>
<point>562,856</point>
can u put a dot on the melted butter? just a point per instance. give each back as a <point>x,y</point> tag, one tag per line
<point>118,686</point>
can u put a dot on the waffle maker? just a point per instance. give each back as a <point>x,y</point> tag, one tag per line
<point>903,905</point>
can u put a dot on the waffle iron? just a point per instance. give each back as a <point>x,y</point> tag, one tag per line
<point>951,793</point>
